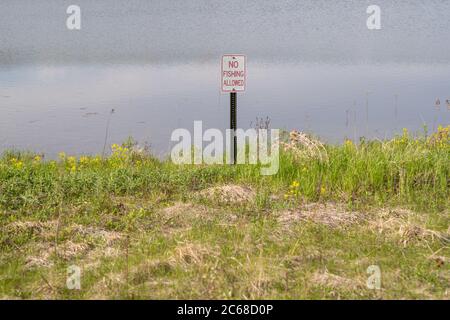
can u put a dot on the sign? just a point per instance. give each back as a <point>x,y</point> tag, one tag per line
<point>233,73</point>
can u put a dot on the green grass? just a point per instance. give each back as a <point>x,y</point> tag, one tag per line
<point>123,221</point>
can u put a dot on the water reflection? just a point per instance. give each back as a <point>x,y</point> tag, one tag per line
<point>66,108</point>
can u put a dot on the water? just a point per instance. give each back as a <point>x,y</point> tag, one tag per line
<point>312,66</point>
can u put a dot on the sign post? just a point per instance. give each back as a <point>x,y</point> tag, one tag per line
<point>233,123</point>
<point>234,74</point>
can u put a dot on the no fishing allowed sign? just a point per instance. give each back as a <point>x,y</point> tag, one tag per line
<point>234,73</point>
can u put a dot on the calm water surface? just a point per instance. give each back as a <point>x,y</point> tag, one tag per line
<point>312,66</point>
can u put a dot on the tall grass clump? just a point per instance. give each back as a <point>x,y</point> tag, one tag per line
<point>405,169</point>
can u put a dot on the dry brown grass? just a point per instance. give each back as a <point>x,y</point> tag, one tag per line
<point>78,241</point>
<point>229,194</point>
<point>180,216</point>
<point>407,226</point>
<point>188,253</point>
<point>330,280</point>
<point>303,146</point>
<point>329,214</point>
<point>42,229</point>
<point>247,270</point>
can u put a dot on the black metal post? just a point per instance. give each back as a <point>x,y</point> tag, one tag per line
<point>233,123</point>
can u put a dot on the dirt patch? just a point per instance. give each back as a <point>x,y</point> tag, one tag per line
<point>229,194</point>
<point>329,214</point>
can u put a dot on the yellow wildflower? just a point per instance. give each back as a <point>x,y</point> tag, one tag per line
<point>115,148</point>
<point>72,159</point>
<point>97,160</point>
<point>16,163</point>
<point>84,160</point>
<point>349,143</point>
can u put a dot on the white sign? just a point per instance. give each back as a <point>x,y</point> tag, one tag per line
<point>233,73</point>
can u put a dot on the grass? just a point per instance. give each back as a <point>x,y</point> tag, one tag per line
<point>144,228</point>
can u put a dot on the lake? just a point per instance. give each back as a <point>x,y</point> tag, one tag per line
<point>312,66</point>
